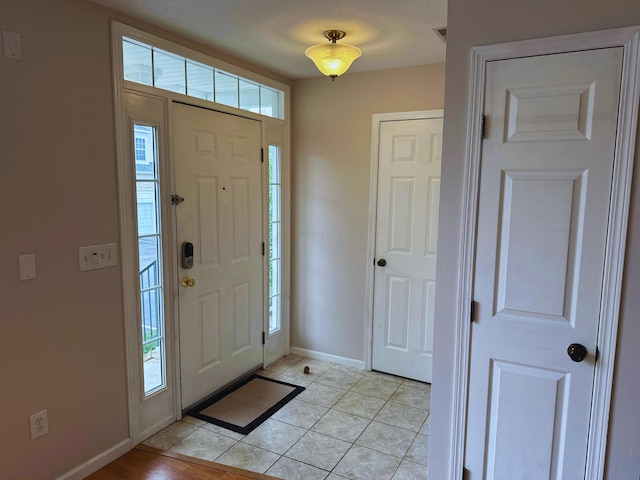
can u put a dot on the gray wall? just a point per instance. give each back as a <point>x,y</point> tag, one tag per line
<point>472,23</point>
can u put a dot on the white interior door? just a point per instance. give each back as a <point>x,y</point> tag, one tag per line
<point>406,245</point>
<point>545,184</point>
<point>218,173</point>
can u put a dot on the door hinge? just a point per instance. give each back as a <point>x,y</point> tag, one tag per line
<point>176,200</point>
<point>263,249</point>
<point>597,353</point>
<point>263,338</point>
<point>262,155</point>
<point>482,126</point>
<point>472,311</point>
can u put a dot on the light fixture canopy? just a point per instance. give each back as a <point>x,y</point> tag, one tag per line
<point>333,59</point>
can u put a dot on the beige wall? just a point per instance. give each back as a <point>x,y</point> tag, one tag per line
<point>62,334</point>
<point>331,142</point>
<point>473,23</point>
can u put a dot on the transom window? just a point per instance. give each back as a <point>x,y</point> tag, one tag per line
<point>159,68</point>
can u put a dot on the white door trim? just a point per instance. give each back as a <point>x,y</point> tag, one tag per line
<point>377,119</point>
<point>629,39</point>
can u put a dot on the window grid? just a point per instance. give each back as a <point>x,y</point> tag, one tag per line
<point>150,261</point>
<point>173,74</point>
<point>275,243</point>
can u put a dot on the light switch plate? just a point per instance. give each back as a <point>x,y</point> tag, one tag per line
<point>12,44</point>
<point>97,256</point>
<point>27,266</point>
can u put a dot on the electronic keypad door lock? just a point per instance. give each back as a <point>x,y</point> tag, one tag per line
<point>187,255</point>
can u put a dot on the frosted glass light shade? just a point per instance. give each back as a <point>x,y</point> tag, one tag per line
<point>333,59</point>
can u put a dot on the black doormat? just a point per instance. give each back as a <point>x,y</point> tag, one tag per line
<point>244,406</point>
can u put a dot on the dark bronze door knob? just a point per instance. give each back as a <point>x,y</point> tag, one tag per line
<point>382,262</point>
<point>577,352</point>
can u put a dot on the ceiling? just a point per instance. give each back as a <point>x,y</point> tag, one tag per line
<point>274,34</point>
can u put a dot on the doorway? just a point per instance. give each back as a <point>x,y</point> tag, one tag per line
<point>405,186</point>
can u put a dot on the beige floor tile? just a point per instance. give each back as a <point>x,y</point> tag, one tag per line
<point>419,451</point>
<point>333,476</point>
<point>297,371</point>
<point>274,436</point>
<point>317,367</point>
<point>320,394</point>
<point>362,463</point>
<point>415,384</point>
<point>318,450</point>
<point>289,469</point>
<point>223,431</point>
<point>360,405</point>
<point>339,378</point>
<point>300,414</point>
<point>193,421</point>
<point>171,435</point>
<point>402,416</point>
<point>410,471</point>
<point>384,376</point>
<point>386,439</point>
<point>426,426</point>
<point>248,457</point>
<point>376,387</point>
<point>299,381</point>
<point>203,444</point>
<point>411,396</point>
<point>341,425</point>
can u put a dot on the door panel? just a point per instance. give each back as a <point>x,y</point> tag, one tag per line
<point>218,172</point>
<point>406,238</point>
<point>545,183</point>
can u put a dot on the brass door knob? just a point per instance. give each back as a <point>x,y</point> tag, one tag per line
<point>188,282</point>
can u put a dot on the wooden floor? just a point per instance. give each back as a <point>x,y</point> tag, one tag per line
<point>146,463</point>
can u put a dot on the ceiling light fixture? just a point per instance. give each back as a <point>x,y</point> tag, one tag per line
<point>333,59</point>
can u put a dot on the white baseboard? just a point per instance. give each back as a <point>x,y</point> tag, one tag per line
<point>99,461</point>
<point>327,357</point>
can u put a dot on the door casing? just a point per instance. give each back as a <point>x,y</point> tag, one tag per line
<point>377,119</point>
<point>629,39</point>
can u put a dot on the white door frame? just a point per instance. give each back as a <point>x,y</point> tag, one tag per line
<point>377,119</point>
<point>629,39</point>
<point>127,250</point>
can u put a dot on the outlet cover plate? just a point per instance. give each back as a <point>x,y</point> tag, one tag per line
<point>39,424</point>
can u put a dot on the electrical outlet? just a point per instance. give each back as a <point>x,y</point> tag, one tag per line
<point>39,424</point>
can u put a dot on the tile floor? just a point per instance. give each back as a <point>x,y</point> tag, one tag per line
<point>348,423</point>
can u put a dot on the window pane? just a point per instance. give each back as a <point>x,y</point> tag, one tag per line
<point>149,257</point>
<point>199,80</point>
<point>274,240</point>
<point>153,358</point>
<point>274,277</point>
<point>147,208</point>
<point>249,96</point>
<point>226,89</point>
<point>269,102</point>
<point>274,164</point>
<point>137,64</point>
<point>169,72</point>
<point>274,203</point>
<point>274,314</point>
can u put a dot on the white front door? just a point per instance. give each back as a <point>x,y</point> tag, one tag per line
<point>218,173</point>
<point>406,245</point>
<point>545,185</point>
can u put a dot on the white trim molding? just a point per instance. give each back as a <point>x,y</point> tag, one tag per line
<point>96,463</point>
<point>629,40</point>
<point>327,357</point>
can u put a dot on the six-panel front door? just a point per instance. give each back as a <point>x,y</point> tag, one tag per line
<point>545,184</point>
<point>406,237</point>
<point>218,172</point>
